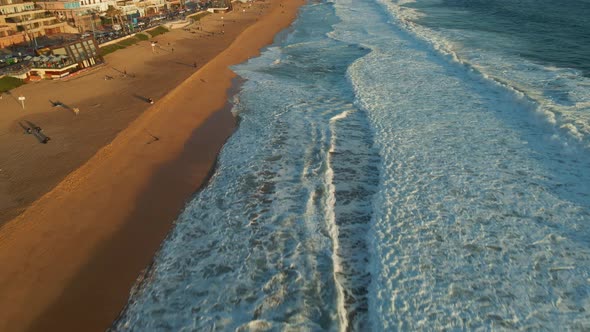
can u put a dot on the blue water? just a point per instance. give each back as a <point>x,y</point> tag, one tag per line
<point>550,33</point>
<point>398,166</point>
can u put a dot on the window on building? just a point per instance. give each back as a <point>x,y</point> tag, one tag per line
<point>60,51</point>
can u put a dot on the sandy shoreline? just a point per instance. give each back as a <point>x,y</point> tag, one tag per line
<point>28,169</point>
<point>69,260</point>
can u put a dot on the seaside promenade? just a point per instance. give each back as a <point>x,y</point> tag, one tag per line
<point>83,215</point>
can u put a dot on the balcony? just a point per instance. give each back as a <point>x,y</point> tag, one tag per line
<point>30,17</point>
<point>53,24</point>
<point>13,20</point>
<point>24,13</point>
<point>16,8</point>
<point>29,29</point>
<point>124,3</point>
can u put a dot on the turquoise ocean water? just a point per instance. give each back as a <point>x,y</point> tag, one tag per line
<point>399,165</point>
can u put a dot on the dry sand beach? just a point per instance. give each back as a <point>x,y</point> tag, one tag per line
<point>29,170</point>
<point>101,196</point>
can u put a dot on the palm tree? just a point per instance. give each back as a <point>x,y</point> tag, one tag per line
<point>114,14</point>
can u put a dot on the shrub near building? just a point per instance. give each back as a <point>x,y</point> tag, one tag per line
<point>123,44</point>
<point>8,83</point>
<point>157,31</point>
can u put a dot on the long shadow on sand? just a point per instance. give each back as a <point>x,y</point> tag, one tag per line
<point>15,98</point>
<point>26,129</point>
<point>192,65</point>
<point>36,131</point>
<point>142,98</point>
<point>58,103</point>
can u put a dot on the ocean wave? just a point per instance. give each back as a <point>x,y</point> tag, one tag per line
<point>469,181</point>
<point>557,96</point>
<point>277,240</point>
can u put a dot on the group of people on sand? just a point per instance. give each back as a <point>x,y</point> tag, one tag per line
<point>38,131</point>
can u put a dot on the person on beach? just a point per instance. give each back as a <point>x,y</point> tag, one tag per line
<point>150,100</point>
<point>45,140</point>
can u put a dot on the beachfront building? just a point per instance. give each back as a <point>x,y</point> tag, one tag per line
<point>24,22</point>
<point>173,5</point>
<point>83,14</point>
<point>151,7</point>
<point>130,8</point>
<point>60,61</point>
<point>157,7</point>
<point>97,6</point>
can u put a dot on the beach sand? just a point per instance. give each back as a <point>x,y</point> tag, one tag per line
<point>101,196</point>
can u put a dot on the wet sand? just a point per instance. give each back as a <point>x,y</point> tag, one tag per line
<point>69,260</point>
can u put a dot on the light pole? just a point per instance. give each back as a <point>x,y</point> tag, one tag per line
<point>22,101</point>
<point>92,17</point>
<point>33,40</point>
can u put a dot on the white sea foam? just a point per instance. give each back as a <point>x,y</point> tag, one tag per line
<point>331,222</point>
<point>261,246</point>
<point>469,180</point>
<point>376,183</point>
<point>557,94</point>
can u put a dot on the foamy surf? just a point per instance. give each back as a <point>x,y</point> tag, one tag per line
<point>263,246</point>
<point>556,95</point>
<point>379,183</point>
<point>468,178</point>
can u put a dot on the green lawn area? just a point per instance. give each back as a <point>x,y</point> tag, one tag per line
<point>198,16</point>
<point>157,31</point>
<point>142,36</point>
<point>8,83</point>
<point>123,43</point>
